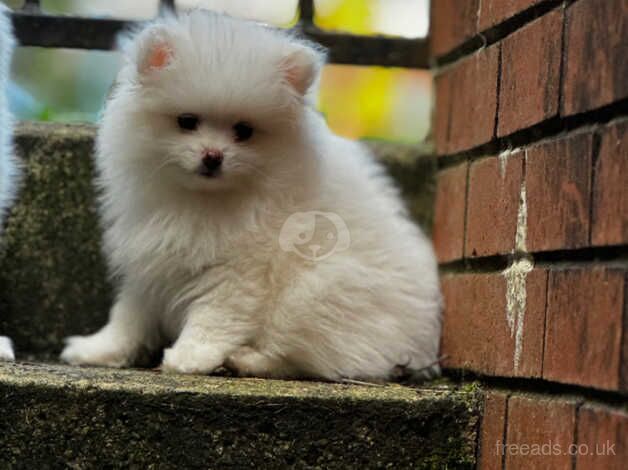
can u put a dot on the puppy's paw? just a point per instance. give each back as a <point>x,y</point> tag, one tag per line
<point>192,359</point>
<point>6,349</point>
<point>99,349</point>
<point>248,362</point>
<point>423,374</point>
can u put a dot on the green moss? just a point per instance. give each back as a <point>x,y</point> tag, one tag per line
<point>84,418</point>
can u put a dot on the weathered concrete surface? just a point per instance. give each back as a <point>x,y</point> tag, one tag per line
<point>63,417</point>
<point>52,276</point>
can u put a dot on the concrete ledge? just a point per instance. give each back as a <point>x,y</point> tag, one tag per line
<point>58,416</point>
<point>53,279</point>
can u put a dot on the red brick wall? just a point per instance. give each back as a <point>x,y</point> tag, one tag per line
<point>531,221</point>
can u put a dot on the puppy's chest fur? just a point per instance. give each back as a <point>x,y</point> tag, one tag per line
<point>245,271</point>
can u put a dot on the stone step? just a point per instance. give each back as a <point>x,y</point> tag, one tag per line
<point>52,276</point>
<point>55,416</point>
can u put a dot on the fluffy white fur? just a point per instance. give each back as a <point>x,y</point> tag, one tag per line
<point>8,169</point>
<point>203,262</point>
<point>6,349</point>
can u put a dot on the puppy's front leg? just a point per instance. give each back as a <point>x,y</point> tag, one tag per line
<point>209,335</point>
<point>130,333</point>
<point>6,349</point>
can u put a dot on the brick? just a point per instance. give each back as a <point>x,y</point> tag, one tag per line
<point>530,74</point>
<point>546,427</point>
<point>623,368</point>
<point>442,111</point>
<point>602,438</point>
<point>449,212</point>
<point>493,204</point>
<point>493,12</point>
<point>531,363</point>
<point>452,23</point>
<point>472,102</point>
<point>477,333</point>
<point>584,327</point>
<point>610,188</point>
<point>475,306</point>
<point>595,59</point>
<point>492,431</point>
<point>558,193</point>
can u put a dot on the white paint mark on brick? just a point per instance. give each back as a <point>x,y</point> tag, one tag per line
<point>522,219</point>
<point>516,293</point>
<point>503,160</point>
<point>516,275</point>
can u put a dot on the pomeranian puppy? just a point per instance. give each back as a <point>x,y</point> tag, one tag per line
<point>243,232</point>
<point>8,168</point>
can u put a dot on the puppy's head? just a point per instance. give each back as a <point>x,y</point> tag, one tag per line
<point>212,101</point>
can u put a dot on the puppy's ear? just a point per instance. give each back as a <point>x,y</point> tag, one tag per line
<point>155,51</point>
<point>150,50</point>
<point>157,56</point>
<point>301,66</point>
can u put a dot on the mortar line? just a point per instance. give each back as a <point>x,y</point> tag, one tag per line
<point>574,456</point>
<point>498,91</point>
<point>595,155</point>
<point>548,273</point>
<point>623,367</point>
<point>450,107</point>
<point>540,386</point>
<point>466,210</point>
<point>550,129</point>
<point>616,255</point>
<point>563,61</point>
<point>497,32</point>
<point>505,431</point>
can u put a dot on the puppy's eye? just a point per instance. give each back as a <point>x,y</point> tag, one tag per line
<point>187,122</point>
<point>243,131</point>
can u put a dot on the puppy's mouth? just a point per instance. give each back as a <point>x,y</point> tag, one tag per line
<point>209,173</point>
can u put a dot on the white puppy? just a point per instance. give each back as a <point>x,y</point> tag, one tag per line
<point>8,171</point>
<point>245,233</point>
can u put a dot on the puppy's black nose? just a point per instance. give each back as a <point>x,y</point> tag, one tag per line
<point>212,160</point>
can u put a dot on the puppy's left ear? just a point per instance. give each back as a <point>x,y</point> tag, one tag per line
<point>155,51</point>
<point>150,50</point>
<point>301,66</point>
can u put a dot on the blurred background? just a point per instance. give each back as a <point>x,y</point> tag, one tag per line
<point>359,102</point>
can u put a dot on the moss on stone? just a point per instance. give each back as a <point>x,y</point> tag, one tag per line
<point>85,418</point>
<point>52,279</point>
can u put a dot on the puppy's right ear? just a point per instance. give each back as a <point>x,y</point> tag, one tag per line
<point>150,50</point>
<point>301,66</point>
